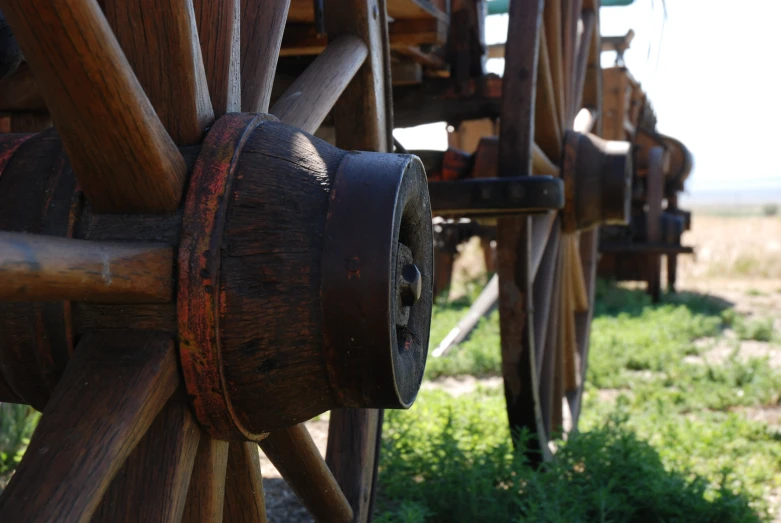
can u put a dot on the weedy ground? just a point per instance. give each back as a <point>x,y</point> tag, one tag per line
<point>681,414</point>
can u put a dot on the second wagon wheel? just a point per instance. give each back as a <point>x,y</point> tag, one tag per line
<point>204,276</point>
<point>546,264</point>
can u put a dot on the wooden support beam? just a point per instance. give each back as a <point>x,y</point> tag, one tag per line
<point>46,268</point>
<point>302,39</point>
<point>361,114</point>
<point>307,102</point>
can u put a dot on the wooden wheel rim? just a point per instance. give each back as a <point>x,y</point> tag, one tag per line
<point>537,311</point>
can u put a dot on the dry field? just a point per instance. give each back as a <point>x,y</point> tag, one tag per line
<point>737,259</point>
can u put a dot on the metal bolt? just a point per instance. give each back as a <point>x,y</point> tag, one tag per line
<point>411,285</point>
<point>516,192</point>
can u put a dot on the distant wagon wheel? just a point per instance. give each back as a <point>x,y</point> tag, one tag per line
<point>171,213</point>
<point>546,263</point>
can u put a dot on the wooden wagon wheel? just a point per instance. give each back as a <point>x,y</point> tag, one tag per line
<point>547,263</point>
<point>173,221</point>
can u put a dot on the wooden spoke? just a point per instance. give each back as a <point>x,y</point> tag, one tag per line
<point>547,128</point>
<point>544,297</point>
<point>567,321</point>
<point>160,40</point>
<point>580,294</point>
<point>581,64</point>
<point>122,156</point>
<point>219,32</point>
<point>262,25</point>
<point>207,485</point>
<point>296,457</point>
<point>353,455</point>
<point>592,87</point>
<point>571,11</point>
<point>47,268</point>
<point>311,97</point>
<point>552,21</point>
<point>541,164</point>
<point>542,225</point>
<point>244,502</point>
<point>589,242</point>
<point>152,484</point>
<point>558,386</point>
<point>110,393</point>
<point>360,115</point>
<point>551,384</point>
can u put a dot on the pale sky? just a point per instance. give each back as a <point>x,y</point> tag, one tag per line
<point>715,85</point>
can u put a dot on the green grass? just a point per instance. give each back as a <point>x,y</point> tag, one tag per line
<point>662,438</point>
<point>17,423</point>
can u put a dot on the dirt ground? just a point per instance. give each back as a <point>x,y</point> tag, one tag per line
<point>737,259</point>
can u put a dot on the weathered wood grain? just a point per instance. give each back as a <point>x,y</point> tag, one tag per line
<point>307,102</point>
<point>152,485</point>
<point>206,495</point>
<point>37,194</point>
<point>219,31</point>
<point>262,25</point>
<point>160,41</point>
<point>244,501</point>
<point>114,387</point>
<point>263,284</point>
<point>122,155</point>
<point>297,458</point>
<point>46,268</point>
<point>360,115</point>
<point>363,121</point>
<point>353,456</point>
